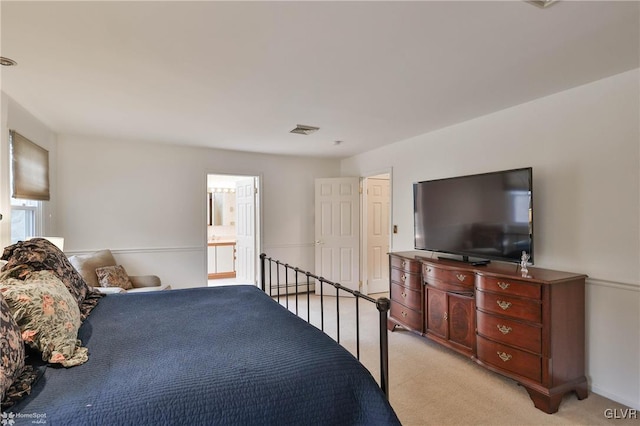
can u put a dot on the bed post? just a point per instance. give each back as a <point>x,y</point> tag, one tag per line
<point>262,278</point>
<point>383,304</point>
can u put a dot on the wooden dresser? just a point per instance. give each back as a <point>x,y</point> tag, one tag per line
<point>529,328</point>
<point>406,293</point>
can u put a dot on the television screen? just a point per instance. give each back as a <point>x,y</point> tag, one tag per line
<point>486,216</point>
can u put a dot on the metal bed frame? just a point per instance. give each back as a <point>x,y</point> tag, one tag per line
<point>382,304</point>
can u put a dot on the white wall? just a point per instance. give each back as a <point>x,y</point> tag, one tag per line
<point>583,145</point>
<point>14,117</point>
<point>146,202</point>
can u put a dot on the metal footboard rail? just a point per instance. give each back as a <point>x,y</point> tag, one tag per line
<point>382,304</point>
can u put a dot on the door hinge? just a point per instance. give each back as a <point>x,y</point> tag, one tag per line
<point>359,285</point>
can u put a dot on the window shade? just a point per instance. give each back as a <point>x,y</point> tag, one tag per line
<point>29,169</point>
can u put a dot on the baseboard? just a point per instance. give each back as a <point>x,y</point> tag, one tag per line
<point>617,398</point>
<point>284,290</point>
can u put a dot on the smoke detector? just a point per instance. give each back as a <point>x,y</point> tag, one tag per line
<point>304,130</point>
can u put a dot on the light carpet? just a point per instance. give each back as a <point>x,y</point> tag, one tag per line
<point>432,385</point>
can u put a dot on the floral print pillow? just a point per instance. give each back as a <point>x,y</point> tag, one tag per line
<point>39,254</point>
<point>48,317</point>
<point>114,276</point>
<point>11,349</point>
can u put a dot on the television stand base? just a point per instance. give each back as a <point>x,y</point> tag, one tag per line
<point>465,259</point>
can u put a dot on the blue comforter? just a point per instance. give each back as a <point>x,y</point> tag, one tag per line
<point>205,356</point>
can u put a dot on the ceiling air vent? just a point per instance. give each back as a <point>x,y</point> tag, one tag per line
<point>7,62</point>
<point>304,130</point>
<point>541,3</point>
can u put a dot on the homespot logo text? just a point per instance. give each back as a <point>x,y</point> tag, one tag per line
<point>10,418</point>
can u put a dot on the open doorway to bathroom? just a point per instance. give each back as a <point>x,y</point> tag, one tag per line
<point>233,218</point>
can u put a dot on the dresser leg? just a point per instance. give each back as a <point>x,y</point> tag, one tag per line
<point>549,403</point>
<point>391,326</point>
<point>582,391</point>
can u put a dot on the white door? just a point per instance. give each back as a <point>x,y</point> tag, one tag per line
<point>246,231</point>
<point>377,235</point>
<point>337,232</point>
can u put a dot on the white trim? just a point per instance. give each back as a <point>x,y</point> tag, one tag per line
<point>614,397</point>
<point>613,284</point>
<point>287,246</point>
<point>290,288</point>
<point>141,250</point>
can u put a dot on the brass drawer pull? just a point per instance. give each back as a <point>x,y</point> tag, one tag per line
<point>446,316</point>
<point>461,277</point>
<point>504,356</point>
<point>404,314</point>
<point>404,294</point>
<point>403,277</point>
<point>428,269</point>
<point>503,285</point>
<point>504,305</point>
<point>504,329</point>
<point>404,263</point>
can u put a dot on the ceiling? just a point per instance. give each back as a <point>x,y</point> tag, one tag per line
<point>241,75</point>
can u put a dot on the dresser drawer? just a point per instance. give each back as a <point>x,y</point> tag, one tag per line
<point>523,309</point>
<point>409,298</point>
<point>510,359</point>
<point>406,279</point>
<point>510,332</point>
<point>461,278</point>
<point>449,286</point>
<point>509,286</point>
<point>413,319</point>
<point>405,264</point>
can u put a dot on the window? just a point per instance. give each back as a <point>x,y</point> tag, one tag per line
<point>520,206</point>
<point>29,183</point>
<point>25,219</point>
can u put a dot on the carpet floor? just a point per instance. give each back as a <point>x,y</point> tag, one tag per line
<point>432,385</point>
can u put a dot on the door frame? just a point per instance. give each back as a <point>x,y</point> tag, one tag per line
<point>364,261</point>
<point>258,220</point>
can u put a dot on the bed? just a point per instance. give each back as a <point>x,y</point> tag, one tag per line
<point>217,355</point>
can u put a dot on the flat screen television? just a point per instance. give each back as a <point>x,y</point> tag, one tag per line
<point>484,216</point>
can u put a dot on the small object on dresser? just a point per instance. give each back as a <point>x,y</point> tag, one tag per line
<point>523,263</point>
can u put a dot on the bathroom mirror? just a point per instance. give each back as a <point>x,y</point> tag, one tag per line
<point>221,207</point>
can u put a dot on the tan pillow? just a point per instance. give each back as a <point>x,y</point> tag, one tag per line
<point>86,265</point>
<point>114,276</point>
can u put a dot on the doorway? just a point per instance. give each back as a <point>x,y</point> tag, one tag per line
<point>353,231</point>
<point>376,232</point>
<point>232,231</point>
